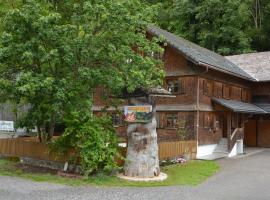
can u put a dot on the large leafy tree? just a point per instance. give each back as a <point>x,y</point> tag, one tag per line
<point>220,26</point>
<point>259,11</point>
<point>54,54</point>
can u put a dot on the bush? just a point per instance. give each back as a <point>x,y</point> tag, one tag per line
<point>93,140</point>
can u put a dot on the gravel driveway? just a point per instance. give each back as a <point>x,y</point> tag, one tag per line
<point>247,178</point>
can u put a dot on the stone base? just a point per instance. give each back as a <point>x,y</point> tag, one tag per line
<point>161,177</point>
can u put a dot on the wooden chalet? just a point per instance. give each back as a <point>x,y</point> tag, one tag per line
<point>221,102</point>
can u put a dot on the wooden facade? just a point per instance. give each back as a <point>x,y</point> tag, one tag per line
<point>192,114</point>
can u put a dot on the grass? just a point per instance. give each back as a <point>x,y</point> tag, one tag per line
<point>191,173</point>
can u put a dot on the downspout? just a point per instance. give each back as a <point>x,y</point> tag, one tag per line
<point>197,106</point>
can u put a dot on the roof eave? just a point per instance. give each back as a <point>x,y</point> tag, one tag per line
<point>225,71</point>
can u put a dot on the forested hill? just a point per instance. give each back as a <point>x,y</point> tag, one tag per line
<point>225,26</point>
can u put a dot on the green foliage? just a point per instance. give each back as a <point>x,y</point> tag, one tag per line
<point>93,140</point>
<point>218,25</point>
<point>53,54</point>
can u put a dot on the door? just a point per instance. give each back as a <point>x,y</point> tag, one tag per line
<point>263,133</point>
<point>250,135</point>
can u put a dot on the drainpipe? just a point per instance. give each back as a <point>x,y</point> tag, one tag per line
<point>198,102</point>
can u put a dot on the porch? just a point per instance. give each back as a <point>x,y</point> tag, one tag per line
<point>235,115</point>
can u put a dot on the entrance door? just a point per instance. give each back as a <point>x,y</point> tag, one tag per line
<point>250,135</point>
<point>263,133</point>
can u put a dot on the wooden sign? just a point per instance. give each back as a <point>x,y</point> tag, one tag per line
<point>138,114</point>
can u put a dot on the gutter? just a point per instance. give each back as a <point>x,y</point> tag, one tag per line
<point>227,72</point>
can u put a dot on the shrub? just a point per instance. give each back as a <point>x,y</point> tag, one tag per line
<point>93,140</point>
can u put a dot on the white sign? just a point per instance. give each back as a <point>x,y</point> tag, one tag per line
<point>7,126</point>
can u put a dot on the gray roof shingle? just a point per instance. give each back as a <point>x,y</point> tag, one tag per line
<point>264,106</point>
<point>199,54</point>
<point>240,107</point>
<point>256,65</point>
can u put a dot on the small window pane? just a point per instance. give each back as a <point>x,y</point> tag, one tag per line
<point>172,120</point>
<point>117,119</point>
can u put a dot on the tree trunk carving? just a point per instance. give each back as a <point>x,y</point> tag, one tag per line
<point>142,151</point>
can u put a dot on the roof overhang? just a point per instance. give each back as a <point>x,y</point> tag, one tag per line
<point>239,107</point>
<point>150,92</point>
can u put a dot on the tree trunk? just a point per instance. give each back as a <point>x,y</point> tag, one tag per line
<point>51,127</point>
<point>39,134</point>
<point>142,152</point>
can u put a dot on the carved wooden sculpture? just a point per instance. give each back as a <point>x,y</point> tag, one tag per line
<point>142,152</point>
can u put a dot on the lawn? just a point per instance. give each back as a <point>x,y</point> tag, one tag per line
<point>191,173</point>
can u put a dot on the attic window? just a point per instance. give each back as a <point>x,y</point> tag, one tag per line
<point>156,55</point>
<point>173,86</point>
<point>176,86</point>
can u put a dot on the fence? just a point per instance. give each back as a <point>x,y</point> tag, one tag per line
<point>29,147</point>
<point>173,149</point>
<point>23,147</point>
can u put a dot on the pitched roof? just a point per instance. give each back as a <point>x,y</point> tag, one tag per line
<point>239,107</point>
<point>199,55</point>
<point>256,65</point>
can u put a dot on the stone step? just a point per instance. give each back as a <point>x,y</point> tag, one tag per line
<point>222,143</point>
<point>214,156</point>
<point>220,151</point>
<point>221,146</point>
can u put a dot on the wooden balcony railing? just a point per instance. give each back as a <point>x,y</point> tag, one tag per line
<point>237,134</point>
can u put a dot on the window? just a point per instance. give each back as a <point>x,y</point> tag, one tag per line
<point>173,86</point>
<point>117,119</point>
<point>207,87</point>
<point>208,120</point>
<point>156,55</point>
<point>171,120</point>
<point>176,86</point>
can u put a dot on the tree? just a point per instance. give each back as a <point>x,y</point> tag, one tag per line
<point>259,19</point>
<point>54,55</point>
<point>221,26</point>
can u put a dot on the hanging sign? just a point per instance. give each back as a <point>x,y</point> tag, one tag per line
<point>138,114</point>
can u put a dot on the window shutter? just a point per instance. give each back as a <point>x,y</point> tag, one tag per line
<point>207,87</point>
<point>182,85</point>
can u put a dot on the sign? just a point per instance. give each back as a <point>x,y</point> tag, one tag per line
<point>7,126</point>
<point>138,114</point>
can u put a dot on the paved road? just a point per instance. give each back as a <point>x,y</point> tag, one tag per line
<point>247,178</point>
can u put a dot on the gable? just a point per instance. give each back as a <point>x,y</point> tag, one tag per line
<point>199,55</point>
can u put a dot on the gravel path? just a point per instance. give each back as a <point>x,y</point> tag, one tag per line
<point>247,178</point>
